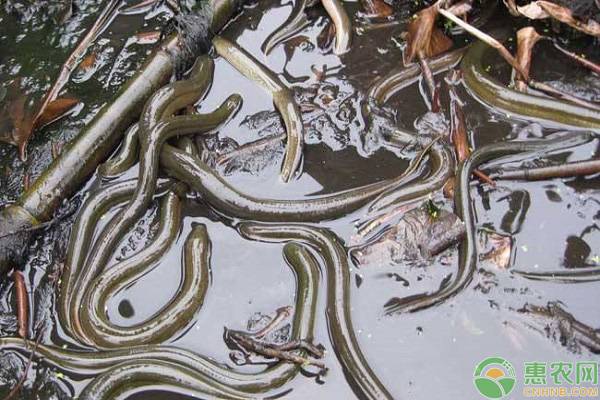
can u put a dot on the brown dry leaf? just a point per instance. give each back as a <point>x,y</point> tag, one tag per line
<point>458,128</point>
<point>526,39</point>
<point>377,8</point>
<point>319,73</point>
<point>14,116</point>
<point>55,110</point>
<point>439,43</point>
<point>88,62</point>
<point>17,116</point>
<point>419,32</point>
<point>532,11</point>
<point>512,7</point>
<point>326,36</point>
<point>500,252</point>
<point>423,37</point>
<point>544,9</point>
<point>461,9</point>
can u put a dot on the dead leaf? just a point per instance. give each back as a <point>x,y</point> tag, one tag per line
<point>26,126</point>
<point>419,32</point>
<point>461,9</point>
<point>439,43</point>
<point>88,62</point>
<point>17,121</point>
<point>512,7</point>
<point>423,37</point>
<point>500,252</point>
<point>526,39</point>
<point>458,128</point>
<point>377,8</point>
<point>55,110</point>
<point>543,9</point>
<point>326,36</point>
<point>532,11</point>
<point>319,73</point>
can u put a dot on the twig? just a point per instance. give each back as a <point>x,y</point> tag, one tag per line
<point>43,225</point>
<point>22,299</point>
<point>15,390</point>
<point>102,22</point>
<point>585,62</point>
<point>577,168</point>
<point>543,87</point>
<point>281,314</point>
<point>488,40</point>
<point>249,344</point>
<point>458,131</point>
<point>428,76</point>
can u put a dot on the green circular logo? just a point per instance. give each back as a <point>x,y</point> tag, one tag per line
<point>494,378</point>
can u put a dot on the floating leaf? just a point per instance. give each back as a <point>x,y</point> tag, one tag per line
<point>512,7</point>
<point>88,62</point>
<point>532,11</point>
<point>326,36</point>
<point>15,120</point>
<point>526,39</point>
<point>19,117</point>
<point>55,110</point>
<point>543,9</point>
<point>423,38</point>
<point>500,252</point>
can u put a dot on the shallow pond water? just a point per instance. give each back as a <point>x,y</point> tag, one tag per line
<point>422,355</point>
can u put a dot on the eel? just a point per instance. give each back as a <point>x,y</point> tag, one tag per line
<point>491,92</point>
<point>228,200</point>
<point>283,98</point>
<point>463,209</point>
<point>576,275</point>
<point>116,228</point>
<point>398,78</point>
<point>441,162</point>
<point>293,24</point>
<point>359,374</point>
<point>82,234</point>
<point>119,367</point>
<point>342,23</point>
<point>99,138</point>
<point>125,157</point>
<point>181,308</point>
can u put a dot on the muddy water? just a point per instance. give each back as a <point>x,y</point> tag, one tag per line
<point>424,355</point>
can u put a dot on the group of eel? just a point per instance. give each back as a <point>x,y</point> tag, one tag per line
<point>147,119</point>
